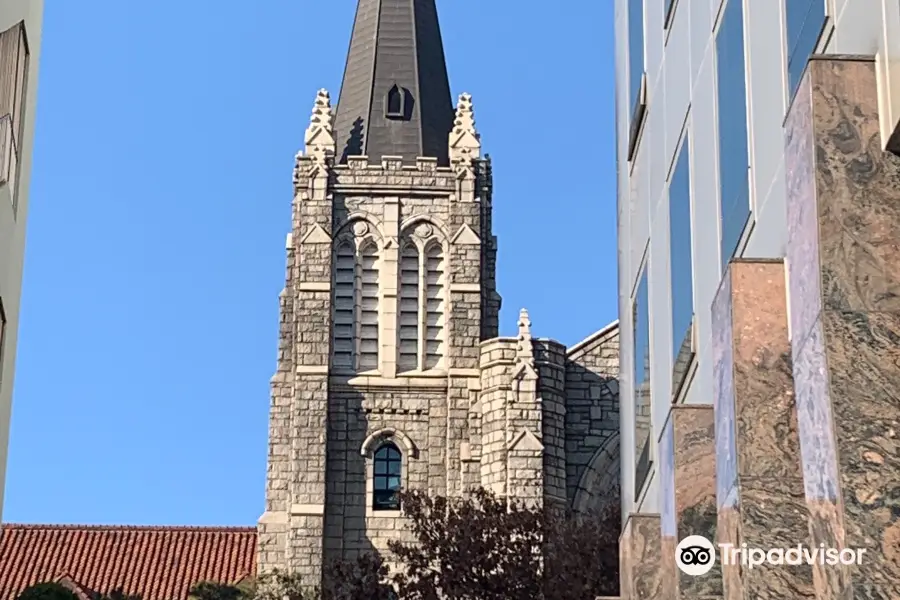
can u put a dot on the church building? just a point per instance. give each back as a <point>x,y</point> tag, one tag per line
<point>391,374</point>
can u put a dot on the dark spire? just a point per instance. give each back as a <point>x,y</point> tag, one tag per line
<point>395,97</point>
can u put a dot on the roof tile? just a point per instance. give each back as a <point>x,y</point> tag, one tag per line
<point>155,563</point>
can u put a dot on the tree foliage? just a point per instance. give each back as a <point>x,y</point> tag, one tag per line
<point>480,547</point>
<point>47,591</point>
<point>488,548</point>
<point>208,590</point>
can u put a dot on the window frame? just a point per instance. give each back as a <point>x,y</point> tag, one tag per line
<point>669,7</point>
<point>400,113</point>
<point>359,236</point>
<point>643,465</point>
<point>9,173</point>
<point>683,350</point>
<point>637,93</point>
<point>726,218</point>
<point>408,453</point>
<point>388,460</point>
<point>424,236</point>
<point>790,49</point>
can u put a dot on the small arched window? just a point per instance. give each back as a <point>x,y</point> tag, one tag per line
<point>395,103</point>
<point>388,463</point>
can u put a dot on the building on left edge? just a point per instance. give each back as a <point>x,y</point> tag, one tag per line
<point>20,42</point>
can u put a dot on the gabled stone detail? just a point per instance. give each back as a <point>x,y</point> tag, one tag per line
<point>466,236</point>
<point>316,235</point>
<point>318,141</point>
<point>526,440</point>
<point>524,346</point>
<point>465,143</point>
<point>525,368</point>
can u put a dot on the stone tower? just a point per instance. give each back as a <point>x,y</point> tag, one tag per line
<point>390,372</point>
<point>389,291</point>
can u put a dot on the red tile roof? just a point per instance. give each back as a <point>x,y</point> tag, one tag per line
<point>156,563</point>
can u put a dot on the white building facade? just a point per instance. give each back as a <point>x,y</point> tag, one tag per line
<point>20,37</point>
<point>704,92</point>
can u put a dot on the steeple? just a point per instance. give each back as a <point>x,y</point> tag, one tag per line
<point>395,97</point>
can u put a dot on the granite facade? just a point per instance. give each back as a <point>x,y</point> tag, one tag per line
<point>759,478</point>
<point>641,566</point>
<point>688,496</point>
<point>522,416</point>
<point>693,436</point>
<point>844,281</point>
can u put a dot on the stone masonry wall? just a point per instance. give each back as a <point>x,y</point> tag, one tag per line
<point>592,418</point>
<point>497,362</point>
<point>352,527</point>
<point>514,415</point>
<point>550,357</point>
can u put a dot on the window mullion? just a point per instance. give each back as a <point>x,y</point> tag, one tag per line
<point>357,309</point>
<point>423,308</point>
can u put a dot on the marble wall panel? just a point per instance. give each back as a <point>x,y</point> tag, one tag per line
<point>844,277</point>
<point>668,518</point>
<point>695,489</point>
<point>760,501</point>
<point>640,552</point>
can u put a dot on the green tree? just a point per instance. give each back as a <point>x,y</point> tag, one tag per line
<point>489,548</point>
<point>47,591</point>
<point>207,590</point>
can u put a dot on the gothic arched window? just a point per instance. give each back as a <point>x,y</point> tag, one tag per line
<point>344,306</point>
<point>422,310</point>
<point>395,103</point>
<point>388,467</point>
<point>368,308</point>
<point>356,305</point>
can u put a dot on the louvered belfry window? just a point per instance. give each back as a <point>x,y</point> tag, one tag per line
<point>344,306</point>
<point>356,304</point>
<point>368,307</point>
<point>408,359</point>
<point>422,302</point>
<point>13,72</point>
<point>434,307</point>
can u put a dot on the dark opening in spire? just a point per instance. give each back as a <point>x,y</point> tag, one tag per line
<point>395,97</point>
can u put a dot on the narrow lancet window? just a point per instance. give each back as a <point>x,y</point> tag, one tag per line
<point>356,305</point>
<point>434,307</point>
<point>388,466</point>
<point>408,359</point>
<point>344,306</point>
<point>394,103</point>
<point>368,308</point>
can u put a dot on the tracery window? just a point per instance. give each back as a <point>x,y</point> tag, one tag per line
<point>422,306</point>
<point>356,301</point>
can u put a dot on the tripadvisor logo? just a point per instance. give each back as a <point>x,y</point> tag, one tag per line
<point>695,555</point>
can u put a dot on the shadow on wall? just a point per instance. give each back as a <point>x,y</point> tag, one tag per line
<point>592,438</point>
<point>353,526</point>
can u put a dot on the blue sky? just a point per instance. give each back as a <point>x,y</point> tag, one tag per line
<point>160,201</point>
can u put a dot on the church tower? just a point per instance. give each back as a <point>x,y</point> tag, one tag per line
<point>390,290</point>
